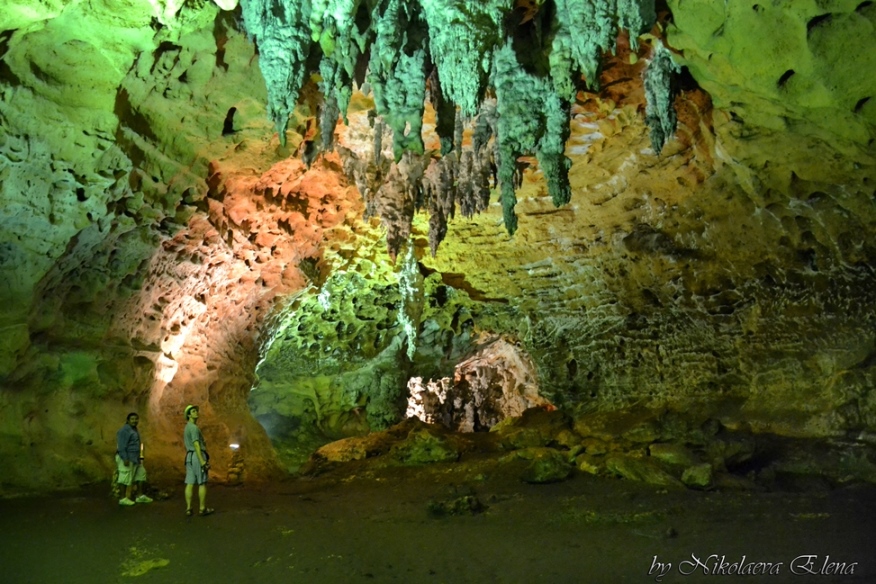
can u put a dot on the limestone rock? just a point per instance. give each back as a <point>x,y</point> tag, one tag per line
<point>537,427</point>
<point>590,464</point>
<point>458,501</point>
<point>425,446</point>
<point>676,454</point>
<point>800,64</point>
<point>643,470</point>
<point>349,449</point>
<point>698,476</point>
<point>731,450</point>
<point>546,465</point>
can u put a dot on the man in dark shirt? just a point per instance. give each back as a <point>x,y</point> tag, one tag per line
<point>129,460</point>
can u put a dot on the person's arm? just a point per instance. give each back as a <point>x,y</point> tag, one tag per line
<point>122,438</point>
<point>199,453</point>
<point>121,443</point>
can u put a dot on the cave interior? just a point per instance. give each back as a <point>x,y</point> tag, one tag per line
<point>597,240</point>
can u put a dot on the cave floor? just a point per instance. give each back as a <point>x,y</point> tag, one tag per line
<point>392,524</point>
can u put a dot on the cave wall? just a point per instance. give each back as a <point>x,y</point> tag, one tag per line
<point>152,256</point>
<point>133,278</point>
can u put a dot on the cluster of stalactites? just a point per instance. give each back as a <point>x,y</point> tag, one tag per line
<point>529,56</point>
<point>395,190</point>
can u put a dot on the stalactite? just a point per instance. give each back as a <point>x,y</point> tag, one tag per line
<point>410,287</point>
<point>333,24</point>
<point>279,28</point>
<point>397,73</point>
<point>659,112</point>
<point>445,114</point>
<point>462,36</point>
<point>531,118</point>
<point>330,109</point>
<point>637,17</point>
<point>395,191</point>
<point>463,50</point>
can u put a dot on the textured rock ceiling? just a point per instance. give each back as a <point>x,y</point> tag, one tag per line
<point>149,259</point>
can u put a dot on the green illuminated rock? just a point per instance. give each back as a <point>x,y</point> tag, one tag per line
<point>424,446</point>
<point>805,65</point>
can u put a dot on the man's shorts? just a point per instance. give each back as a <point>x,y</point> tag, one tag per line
<point>137,472</point>
<point>195,473</point>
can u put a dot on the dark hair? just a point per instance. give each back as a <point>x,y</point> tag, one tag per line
<point>128,419</point>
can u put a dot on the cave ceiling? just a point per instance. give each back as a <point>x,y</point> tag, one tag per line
<point>284,211</point>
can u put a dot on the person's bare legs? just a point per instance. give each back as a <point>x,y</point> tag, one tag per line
<point>202,496</point>
<point>129,488</point>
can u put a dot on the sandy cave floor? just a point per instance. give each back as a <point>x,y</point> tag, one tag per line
<point>357,523</point>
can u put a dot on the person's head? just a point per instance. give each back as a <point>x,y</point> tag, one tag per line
<point>191,413</point>
<point>133,419</point>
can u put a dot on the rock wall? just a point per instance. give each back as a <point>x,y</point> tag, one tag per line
<point>149,220</point>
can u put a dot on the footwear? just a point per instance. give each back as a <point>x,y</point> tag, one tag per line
<point>126,502</point>
<point>206,511</point>
<point>188,512</point>
<point>143,499</point>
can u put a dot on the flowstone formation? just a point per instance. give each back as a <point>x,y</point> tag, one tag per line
<point>528,55</point>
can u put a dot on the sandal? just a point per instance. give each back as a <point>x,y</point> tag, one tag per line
<point>205,512</point>
<point>188,512</point>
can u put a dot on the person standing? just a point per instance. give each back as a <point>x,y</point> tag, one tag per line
<point>197,462</point>
<point>129,461</point>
